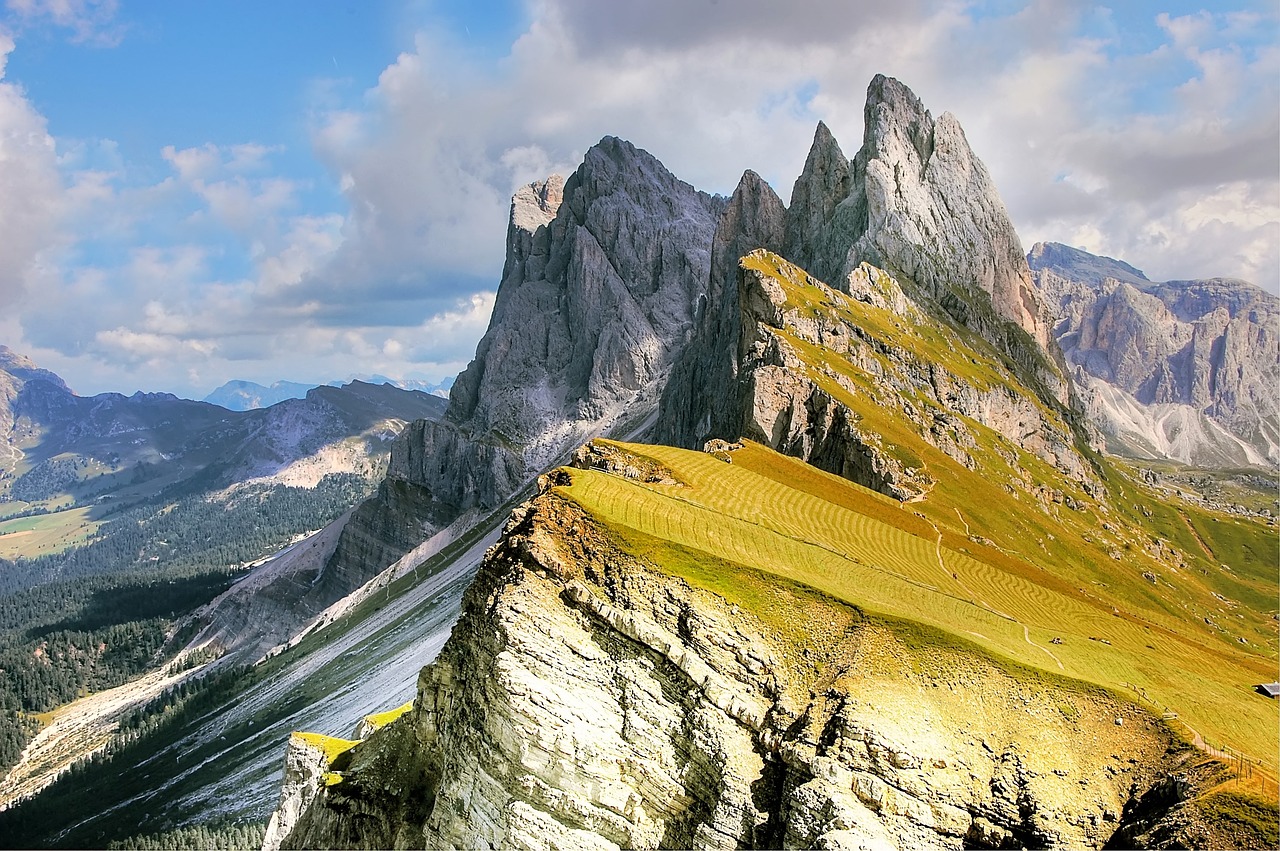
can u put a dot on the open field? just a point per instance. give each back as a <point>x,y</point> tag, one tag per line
<point>768,515</point>
<point>27,537</point>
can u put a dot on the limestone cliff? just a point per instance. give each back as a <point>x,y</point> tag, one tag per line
<point>1185,369</point>
<point>917,202</point>
<point>602,276</point>
<point>588,698</point>
<point>853,382</point>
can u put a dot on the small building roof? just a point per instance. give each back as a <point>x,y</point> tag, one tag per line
<point>1269,689</point>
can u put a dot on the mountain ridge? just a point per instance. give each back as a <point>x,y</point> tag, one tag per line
<point>643,687</point>
<point>1181,369</point>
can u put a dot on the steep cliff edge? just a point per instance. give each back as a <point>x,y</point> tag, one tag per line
<point>608,689</point>
<point>1185,370</point>
<point>863,383</point>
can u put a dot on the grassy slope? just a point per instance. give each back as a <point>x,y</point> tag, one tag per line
<point>778,517</point>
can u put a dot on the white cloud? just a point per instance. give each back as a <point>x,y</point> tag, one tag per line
<point>1166,158</point>
<point>31,202</point>
<point>90,21</point>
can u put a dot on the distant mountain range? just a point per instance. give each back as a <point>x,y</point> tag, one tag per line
<point>1184,370</point>
<point>61,453</point>
<point>239,395</point>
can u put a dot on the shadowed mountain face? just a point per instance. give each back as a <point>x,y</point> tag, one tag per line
<point>1185,370</point>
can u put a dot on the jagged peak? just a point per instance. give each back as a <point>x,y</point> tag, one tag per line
<point>826,180</point>
<point>536,204</point>
<point>892,109</point>
<point>753,218</point>
<point>826,176</point>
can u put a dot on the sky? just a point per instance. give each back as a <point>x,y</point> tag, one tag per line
<point>309,190</point>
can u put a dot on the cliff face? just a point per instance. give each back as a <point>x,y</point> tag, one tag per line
<point>917,208</point>
<point>621,707</point>
<point>853,382</point>
<point>1185,369</point>
<point>602,276</point>
<point>916,201</point>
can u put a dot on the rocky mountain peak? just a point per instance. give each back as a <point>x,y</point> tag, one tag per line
<point>22,369</point>
<point>1184,369</point>
<point>827,179</point>
<point>536,204</point>
<point>897,127</point>
<point>930,212</point>
<point>702,399</point>
<point>1078,265</point>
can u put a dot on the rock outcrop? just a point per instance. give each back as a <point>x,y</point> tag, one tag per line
<point>918,203</point>
<point>876,350</point>
<point>602,277</point>
<point>914,208</point>
<point>590,700</point>
<point>1185,370</point>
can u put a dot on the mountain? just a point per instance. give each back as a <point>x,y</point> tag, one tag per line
<point>120,515</point>
<point>107,447</point>
<point>248,395</point>
<point>957,625</point>
<point>435,388</point>
<point>1184,370</point>
<point>598,292</point>
<point>884,590</point>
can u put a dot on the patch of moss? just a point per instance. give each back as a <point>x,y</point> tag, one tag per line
<point>381,719</point>
<point>333,748</point>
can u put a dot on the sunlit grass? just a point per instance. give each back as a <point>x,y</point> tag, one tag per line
<point>28,537</point>
<point>734,525</point>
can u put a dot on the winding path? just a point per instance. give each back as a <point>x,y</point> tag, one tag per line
<point>1026,632</point>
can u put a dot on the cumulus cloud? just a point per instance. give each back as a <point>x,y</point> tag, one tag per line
<point>1164,154</point>
<point>30,204</point>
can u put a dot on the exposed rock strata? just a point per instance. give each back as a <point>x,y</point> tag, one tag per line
<point>587,700</point>
<point>602,277</point>
<point>768,391</point>
<point>1185,369</point>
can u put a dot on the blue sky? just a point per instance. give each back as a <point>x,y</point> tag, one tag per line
<point>197,191</point>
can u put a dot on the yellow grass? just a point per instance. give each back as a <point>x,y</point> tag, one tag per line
<point>775,516</point>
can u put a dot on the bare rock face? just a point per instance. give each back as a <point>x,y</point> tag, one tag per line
<point>801,406</point>
<point>602,279</point>
<point>586,700</point>
<point>702,399</point>
<point>916,206</point>
<point>1185,370</point>
<point>918,203</point>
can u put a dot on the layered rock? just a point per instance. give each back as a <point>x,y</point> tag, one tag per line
<point>811,363</point>
<point>1185,370</point>
<point>918,203</point>
<point>589,700</point>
